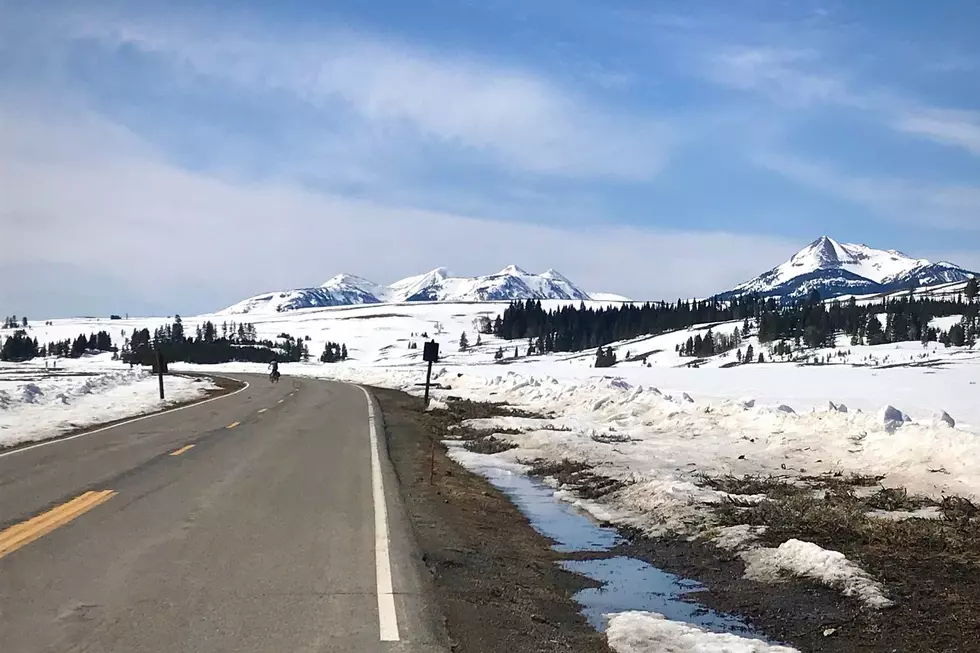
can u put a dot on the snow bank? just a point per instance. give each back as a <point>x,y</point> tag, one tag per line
<point>649,632</point>
<point>808,560</point>
<point>36,404</point>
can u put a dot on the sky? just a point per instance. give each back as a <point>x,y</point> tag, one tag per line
<point>162,157</point>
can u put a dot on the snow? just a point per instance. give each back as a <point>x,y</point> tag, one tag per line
<point>845,269</point>
<point>38,403</point>
<point>649,632</point>
<point>608,297</point>
<point>877,265</point>
<point>634,423</point>
<point>811,561</point>
<point>438,285</point>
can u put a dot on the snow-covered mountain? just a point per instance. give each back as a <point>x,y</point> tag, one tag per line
<point>438,285</point>
<point>835,269</point>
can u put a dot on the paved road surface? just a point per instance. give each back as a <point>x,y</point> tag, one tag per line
<point>258,535</point>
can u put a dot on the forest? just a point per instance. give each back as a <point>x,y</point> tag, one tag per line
<point>807,323</point>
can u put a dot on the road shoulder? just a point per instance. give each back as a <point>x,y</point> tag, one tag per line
<point>494,577</point>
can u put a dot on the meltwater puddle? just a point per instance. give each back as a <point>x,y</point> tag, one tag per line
<point>627,583</point>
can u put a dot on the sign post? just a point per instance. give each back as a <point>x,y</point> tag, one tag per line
<point>430,354</point>
<point>160,371</point>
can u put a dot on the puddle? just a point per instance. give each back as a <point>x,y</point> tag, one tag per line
<point>572,530</point>
<point>631,584</point>
<point>627,583</point>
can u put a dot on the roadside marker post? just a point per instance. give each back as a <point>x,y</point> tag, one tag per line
<point>160,372</point>
<point>430,354</point>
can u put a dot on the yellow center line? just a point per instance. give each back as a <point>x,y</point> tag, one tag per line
<point>26,532</point>
<point>262,410</point>
<point>232,425</point>
<point>181,450</point>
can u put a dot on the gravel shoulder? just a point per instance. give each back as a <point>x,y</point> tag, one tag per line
<point>494,576</point>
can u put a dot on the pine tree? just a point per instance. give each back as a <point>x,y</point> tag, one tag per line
<point>517,352</point>
<point>738,355</point>
<point>762,358</point>
<point>177,331</point>
<point>479,340</point>
<point>463,342</point>
<point>749,353</point>
<point>343,352</point>
<point>499,355</point>
<point>873,332</point>
<point>25,322</point>
<point>971,291</point>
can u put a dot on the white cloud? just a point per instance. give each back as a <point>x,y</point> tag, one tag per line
<point>508,115</point>
<point>943,206</point>
<point>193,242</point>
<point>956,128</point>
<point>806,77</point>
<point>787,76</point>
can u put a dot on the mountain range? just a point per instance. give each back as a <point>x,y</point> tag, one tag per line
<point>436,286</point>
<point>832,268</point>
<point>835,269</point>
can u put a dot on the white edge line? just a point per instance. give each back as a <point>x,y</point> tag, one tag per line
<point>57,440</point>
<point>387,617</point>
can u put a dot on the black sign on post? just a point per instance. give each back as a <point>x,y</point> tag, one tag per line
<point>430,354</point>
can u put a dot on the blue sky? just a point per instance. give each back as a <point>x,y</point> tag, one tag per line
<point>182,155</point>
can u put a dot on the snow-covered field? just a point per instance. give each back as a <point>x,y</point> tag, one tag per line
<point>37,403</point>
<point>660,424</point>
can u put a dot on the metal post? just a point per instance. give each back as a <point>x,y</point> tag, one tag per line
<point>428,381</point>
<point>160,371</point>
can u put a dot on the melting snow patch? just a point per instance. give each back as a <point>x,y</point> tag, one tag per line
<point>811,561</point>
<point>646,632</point>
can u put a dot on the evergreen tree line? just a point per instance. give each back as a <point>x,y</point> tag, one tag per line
<point>810,322</point>
<point>21,347</point>
<point>11,322</point>
<point>333,352</point>
<point>210,344</point>
<point>711,343</point>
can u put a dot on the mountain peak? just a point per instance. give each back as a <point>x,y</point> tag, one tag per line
<point>513,270</point>
<point>555,275</point>
<point>347,279</point>
<point>835,268</point>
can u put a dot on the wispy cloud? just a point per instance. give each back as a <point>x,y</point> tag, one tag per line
<point>955,128</point>
<point>163,229</point>
<point>509,115</point>
<point>948,207</point>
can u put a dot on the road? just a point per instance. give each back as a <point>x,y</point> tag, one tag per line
<point>261,521</point>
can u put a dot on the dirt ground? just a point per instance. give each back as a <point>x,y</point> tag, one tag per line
<point>495,577</point>
<point>501,590</point>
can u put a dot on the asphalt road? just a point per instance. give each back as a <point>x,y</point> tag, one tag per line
<point>251,523</point>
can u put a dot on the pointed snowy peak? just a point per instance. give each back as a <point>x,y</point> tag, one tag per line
<point>403,289</point>
<point>823,252</point>
<point>835,268</point>
<point>513,271</point>
<point>342,281</point>
<point>555,275</point>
